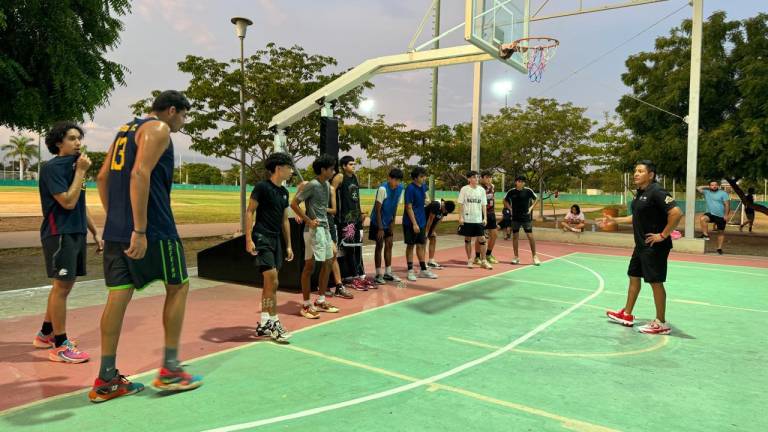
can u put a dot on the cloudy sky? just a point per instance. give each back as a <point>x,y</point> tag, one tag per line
<point>158,35</point>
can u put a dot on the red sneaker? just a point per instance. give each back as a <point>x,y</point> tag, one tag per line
<point>621,317</point>
<point>359,284</point>
<point>655,327</point>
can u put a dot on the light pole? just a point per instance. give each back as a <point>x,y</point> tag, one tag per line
<point>241,25</point>
<point>503,88</point>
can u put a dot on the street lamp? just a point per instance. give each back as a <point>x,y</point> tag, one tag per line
<point>241,25</point>
<point>503,88</point>
<point>366,105</point>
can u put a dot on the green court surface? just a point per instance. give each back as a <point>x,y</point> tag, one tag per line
<point>529,349</point>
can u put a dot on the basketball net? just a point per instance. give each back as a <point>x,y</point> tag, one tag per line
<point>536,53</point>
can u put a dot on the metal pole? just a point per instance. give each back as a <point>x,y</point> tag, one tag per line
<point>435,33</point>
<point>765,189</point>
<point>693,119</point>
<point>477,100</point>
<point>242,137</point>
<point>581,186</point>
<point>674,187</point>
<point>503,182</point>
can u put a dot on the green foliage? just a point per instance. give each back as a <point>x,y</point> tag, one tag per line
<point>52,63</point>
<point>97,160</point>
<point>198,173</point>
<point>19,149</point>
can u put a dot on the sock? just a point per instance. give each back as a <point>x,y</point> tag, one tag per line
<point>423,265</point>
<point>170,360</point>
<point>389,269</point>
<point>321,299</point>
<point>379,272</point>
<point>410,266</point>
<point>274,318</point>
<point>488,252</point>
<point>47,328</point>
<point>107,370</point>
<point>60,339</point>
<point>264,317</point>
<point>306,303</point>
<point>339,286</point>
<point>477,254</point>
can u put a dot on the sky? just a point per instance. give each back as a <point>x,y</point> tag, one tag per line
<point>158,35</point>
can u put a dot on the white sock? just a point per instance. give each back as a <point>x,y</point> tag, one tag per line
<point>306,303</point>
<point>379,272</point>
<point>274,318</point>
<point>389,269</point>
<point>321,299</point>
<point>264,317</point>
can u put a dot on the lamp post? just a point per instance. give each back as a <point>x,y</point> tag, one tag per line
<point>241,25</point>
<point>503,88</point>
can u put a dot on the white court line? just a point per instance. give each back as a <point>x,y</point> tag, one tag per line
<point>701,266</point>
<point>426,381</point>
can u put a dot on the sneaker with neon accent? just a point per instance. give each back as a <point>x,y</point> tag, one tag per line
<point>621,317</point>
<point>477,261</point>
<point>178,380</point>
<point>427,274</point>
<point>515,260</point>
<point>655,327</point>
<point>309,312</point>
<point>325,307</point>
<point>491,259</point>
<point>68,353</point>
<point>42,341</point>
<point>103,391</point>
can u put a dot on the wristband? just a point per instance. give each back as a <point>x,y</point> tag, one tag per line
<point>140,232</point>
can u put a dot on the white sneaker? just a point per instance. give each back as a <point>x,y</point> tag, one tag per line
<point>391,277</point>
<point>470,264</point>
<point>516,260</point>
<point>434,265</point>
<point>411,275</point>
<point>536,261</point>
<point>486,265</point>
<point>427,274</point>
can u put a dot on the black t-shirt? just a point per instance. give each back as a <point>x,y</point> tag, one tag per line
<point>434,208</point>
<point>56,176</point>
<point>520,200</point>
<point>749,199</point>
<point>273,200</point>
<point>649,214</point>
<point>348,201</point>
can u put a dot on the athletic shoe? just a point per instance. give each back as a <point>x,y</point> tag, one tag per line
<point>342,292</point>
<point>68,353</point>
<point>621,317</point>
<point>168,380</point>
<point>274,330</point>
<point>655,327</point>
<point>705,237</point>
<point>486,265</point>
<point>48,341</point>
<point>719,251</point>
<point>536,261</point>
<point>427,274</point>
<point>379,279</point>
<point>391,277</point>
<point>309,312</point>
<point>325,307</point>
<point>411,275</point>
<point>330,292</point>
<point>434,265</point>
<point>515,260</point>
<point>470,264</point>
<point>477,261</point>
<point>491,259</point>
<point>359,285</point>
<point>369,283</point>
<point>103,391</point>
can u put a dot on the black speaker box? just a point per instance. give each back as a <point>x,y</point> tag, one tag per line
<point>329,136</point>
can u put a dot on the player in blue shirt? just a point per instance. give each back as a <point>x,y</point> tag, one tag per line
<point>415,222</point>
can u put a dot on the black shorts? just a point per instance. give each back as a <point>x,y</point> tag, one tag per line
<point>411,238</point>
<point>163,261</point>
<point>472,230</point>
<point>269,250</point>
<point>527,226</point>
<point>649,263</point>
<point>65,256</point>
<point>491,223</point>
<point>717,220</point>
<point>506,222</point>
<point>373,231</point>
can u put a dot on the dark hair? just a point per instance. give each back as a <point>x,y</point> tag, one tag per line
<point>715,181</point>
<point>171,98</point>
<point>450,206</point>
<point>650,166</point>
<point>470,173</point>
<point>324,161</point>
<point>277,159</point>
<point>344,161</point>
<point>57,134</point>
<point>486,173</point>
<point>751,191</point>
<point>418,171</point>
<point>396,173</point>
<point>578,209</point>
<point>521,178</point>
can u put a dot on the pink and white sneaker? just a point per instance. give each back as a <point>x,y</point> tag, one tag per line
<point>621,317</point>
<point>68,353</point>
<point>655,327</point>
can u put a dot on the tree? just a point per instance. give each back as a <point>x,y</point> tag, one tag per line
<point>20,149</point>
<point>733,130</point>
<point>276,77</point>
<point>97,160</point>
<point>52,65</point>
<point>199,173</point>
<point>389,144</point>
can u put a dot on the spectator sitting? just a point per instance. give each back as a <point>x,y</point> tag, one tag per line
<point>574,220</point>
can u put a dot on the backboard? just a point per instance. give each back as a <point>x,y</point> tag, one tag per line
<point>491,23</point>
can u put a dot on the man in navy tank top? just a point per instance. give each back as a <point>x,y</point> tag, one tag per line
<point>141,244</point>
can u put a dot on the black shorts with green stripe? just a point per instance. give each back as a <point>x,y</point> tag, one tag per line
<point>164,261</point>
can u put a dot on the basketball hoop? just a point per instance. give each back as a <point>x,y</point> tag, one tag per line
<point>536,52</point>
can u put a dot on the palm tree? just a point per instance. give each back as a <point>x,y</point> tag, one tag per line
<point>20,148</point>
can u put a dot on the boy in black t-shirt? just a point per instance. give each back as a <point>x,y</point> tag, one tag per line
<point>65,223</point>
<point>436,210</point>
<point>520,200</point>
<point>654,216</point>
<point>268,207</point>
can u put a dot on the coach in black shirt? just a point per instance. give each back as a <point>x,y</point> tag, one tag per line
<point>654,215</point>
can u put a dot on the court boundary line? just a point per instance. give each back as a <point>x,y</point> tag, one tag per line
<point>255,343</point>
<point>682,264</point>
<point>430,380</point>
<point>662,342</point>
